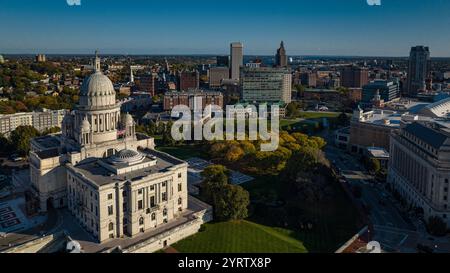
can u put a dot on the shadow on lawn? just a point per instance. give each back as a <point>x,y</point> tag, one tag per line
<point>322,227</point>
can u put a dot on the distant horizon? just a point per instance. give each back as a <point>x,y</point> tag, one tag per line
<point>204,55</point>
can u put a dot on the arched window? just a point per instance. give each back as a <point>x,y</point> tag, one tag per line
<point>111,226</point>
<point>141,221</point>
<point>153,216</point>
<point>180,201</point>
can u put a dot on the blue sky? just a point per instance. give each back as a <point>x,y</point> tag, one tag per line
<point>308,27</point>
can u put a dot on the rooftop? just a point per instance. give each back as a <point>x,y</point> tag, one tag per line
<point>95,170</point>
<point>48,142</point>
<point>433,137</point>
<point>383,118</point>
<point>378,152</point>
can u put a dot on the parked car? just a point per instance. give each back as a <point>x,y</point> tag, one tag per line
<point>16,158</point>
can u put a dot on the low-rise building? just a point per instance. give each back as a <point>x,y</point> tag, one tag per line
<point>42,121</point>
<point>192,99</point>
<point>387,90</point>
<point>379,154</point>
<point>372,129</point>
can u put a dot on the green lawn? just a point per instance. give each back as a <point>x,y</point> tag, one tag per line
<point>336,221</point>
<point>316,115</point>
<point>287,122</point>
<point>240,237</point>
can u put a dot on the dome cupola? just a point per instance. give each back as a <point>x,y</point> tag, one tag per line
<point>97,91</point>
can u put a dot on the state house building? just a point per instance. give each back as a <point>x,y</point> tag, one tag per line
<point>111,179</point>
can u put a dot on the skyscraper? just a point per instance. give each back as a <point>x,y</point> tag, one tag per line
<point>281,59</point>
<point>418,69</point>
<point>237,60</point>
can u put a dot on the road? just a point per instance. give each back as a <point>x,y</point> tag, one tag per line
<point>392,229</point>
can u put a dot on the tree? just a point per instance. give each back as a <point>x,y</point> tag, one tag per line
<point>234,154</point>
<point>167,135</point>
<point>4,144</point>
<point>20,139</point>
<point>343,119</point>
<point>214,177</point>
<point>300,90</point>
<point>231,203</point>
<point>50,131</point>
<point>374,165</point>
<point>437,226</point>
<point>293,109</point>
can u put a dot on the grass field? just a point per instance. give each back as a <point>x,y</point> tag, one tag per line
<point>240,237</point>
<point>316,115</point>
<point>336,221</point>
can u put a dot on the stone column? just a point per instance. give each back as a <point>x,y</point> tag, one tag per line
<point>119,211</point>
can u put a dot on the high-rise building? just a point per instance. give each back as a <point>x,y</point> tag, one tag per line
<point>266,85</point>
<point>418,70</point>
<point>281,59</point>
<point>236,60</point>
<point>419,168</point>
<point>354,77</point>
<point>147,84</point>
<point>2,60</point>
<point>217,75</point>
<point>189,80</point>
<point>223,61</point>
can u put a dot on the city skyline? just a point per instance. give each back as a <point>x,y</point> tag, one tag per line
<point>54,27</point>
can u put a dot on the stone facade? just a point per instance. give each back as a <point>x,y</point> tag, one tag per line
<point>419,168</point>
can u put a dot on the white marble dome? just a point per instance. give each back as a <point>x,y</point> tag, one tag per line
<point>97,91</point>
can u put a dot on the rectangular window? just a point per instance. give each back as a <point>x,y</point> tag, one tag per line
<point>164,196</point>
<point>110,210</point>
<point>180,187</point>
<point>110,196</point>
<point>152,202</point>
<point>152,188</point>
<point>140,191</point>
<point>140,205</point>
<point>180,175</point>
